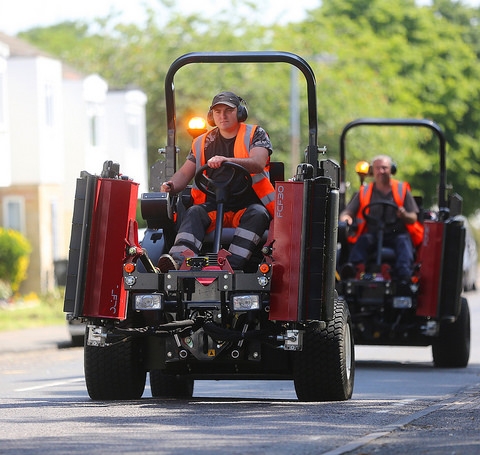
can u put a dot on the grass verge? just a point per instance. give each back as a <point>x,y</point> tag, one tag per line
<point>24,313</point>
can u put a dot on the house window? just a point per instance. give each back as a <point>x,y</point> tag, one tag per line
<point>14,213</point>
<point>55,223</point>
<point>96,124</point>
<point>94,130</point>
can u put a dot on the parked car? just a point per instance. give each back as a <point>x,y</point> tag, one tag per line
<point>76,328</point>
<point>470,259</point>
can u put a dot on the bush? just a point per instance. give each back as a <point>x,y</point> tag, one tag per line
<point>14,258</point>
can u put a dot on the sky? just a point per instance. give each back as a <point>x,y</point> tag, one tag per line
<point>19,15</point>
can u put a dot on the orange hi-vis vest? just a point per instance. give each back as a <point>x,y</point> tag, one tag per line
<point>399,191</point>
<point>260,182</point>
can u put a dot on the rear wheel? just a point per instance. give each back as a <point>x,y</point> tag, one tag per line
<point>325,369</point>
<point>169,385</point>
<point>115,372</point>
<point>452,347</point>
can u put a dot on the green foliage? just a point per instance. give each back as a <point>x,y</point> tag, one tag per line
<point>372,58</point>
<point>14,258</point>
<point>32,311</point>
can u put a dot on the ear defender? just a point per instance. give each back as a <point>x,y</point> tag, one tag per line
<point>393,169</point>
<point>242,111</point>
<point>210,120</point>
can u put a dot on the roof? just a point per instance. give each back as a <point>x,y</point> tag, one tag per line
<point>21,48</point>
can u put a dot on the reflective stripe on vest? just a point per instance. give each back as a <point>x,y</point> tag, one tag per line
<point>364,196</point>
<point>416,230</point>
<point>399,191</point>
<point>260,182</point>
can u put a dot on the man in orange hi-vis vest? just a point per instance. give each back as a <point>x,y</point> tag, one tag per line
<point>231,140</point>
<point>403,231</point>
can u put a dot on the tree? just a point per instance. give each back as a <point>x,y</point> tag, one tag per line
<point>372,58</point>
<point>399,60</point>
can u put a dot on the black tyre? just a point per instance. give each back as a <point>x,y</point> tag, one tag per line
<point>325,369</point>
<point>452,347</point>
<point>115,372</point>
<point>170,386</point>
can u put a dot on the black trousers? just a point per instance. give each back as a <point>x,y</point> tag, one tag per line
<point>253,223</point>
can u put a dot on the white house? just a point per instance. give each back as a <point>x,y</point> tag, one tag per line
<point>57,123</point>
<point>5,150</point>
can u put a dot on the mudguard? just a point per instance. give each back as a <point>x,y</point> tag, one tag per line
<point>103,211</point>
<point>303,284</point>
<point>441,264</point>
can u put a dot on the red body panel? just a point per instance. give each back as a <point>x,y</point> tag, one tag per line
<point>115,207</point>
<point>430,258</point>
<point>287,232</point>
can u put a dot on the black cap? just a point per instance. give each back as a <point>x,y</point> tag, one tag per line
<point>227,98</point>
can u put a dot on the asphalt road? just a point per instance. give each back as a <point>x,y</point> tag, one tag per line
<point>401,404</point>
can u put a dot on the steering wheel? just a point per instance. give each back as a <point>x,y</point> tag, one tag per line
<point>211,187</point>
<point>382,220</point>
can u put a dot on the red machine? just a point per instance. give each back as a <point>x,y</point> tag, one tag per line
<point>429,308</point>
<point>278,318</point>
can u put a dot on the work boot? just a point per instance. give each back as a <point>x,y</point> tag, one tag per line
<point>166,263</point>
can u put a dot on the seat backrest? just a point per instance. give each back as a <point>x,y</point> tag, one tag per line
<point>277,172</point>
<point>421,213</point>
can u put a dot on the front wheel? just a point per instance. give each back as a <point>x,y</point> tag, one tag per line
<point>452,347</point>
<point>325,369</point>
<point>115,372</point>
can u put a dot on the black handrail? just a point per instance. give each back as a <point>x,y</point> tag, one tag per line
<point>442,201</point>
<point>242,57</point>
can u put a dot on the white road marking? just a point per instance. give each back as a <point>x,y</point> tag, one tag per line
<point>50,384</point>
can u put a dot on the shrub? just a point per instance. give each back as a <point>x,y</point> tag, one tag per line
<point>14,257</point>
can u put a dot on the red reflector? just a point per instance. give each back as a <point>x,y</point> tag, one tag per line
<point>264,268</point>
<point>129,267</point>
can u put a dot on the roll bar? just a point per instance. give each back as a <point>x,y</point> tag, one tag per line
<point>442,201</point>
<point>241,57</point>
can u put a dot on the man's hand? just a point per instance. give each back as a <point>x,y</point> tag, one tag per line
<point>407,217</point>
<point>346,218</point>
<point>216,161</point>
<point>167,187</point>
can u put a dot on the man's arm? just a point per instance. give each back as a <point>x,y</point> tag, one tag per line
<point>180,179</point>
<point>348,214</point>
<point>254,164</point>
<point>409,212</point>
